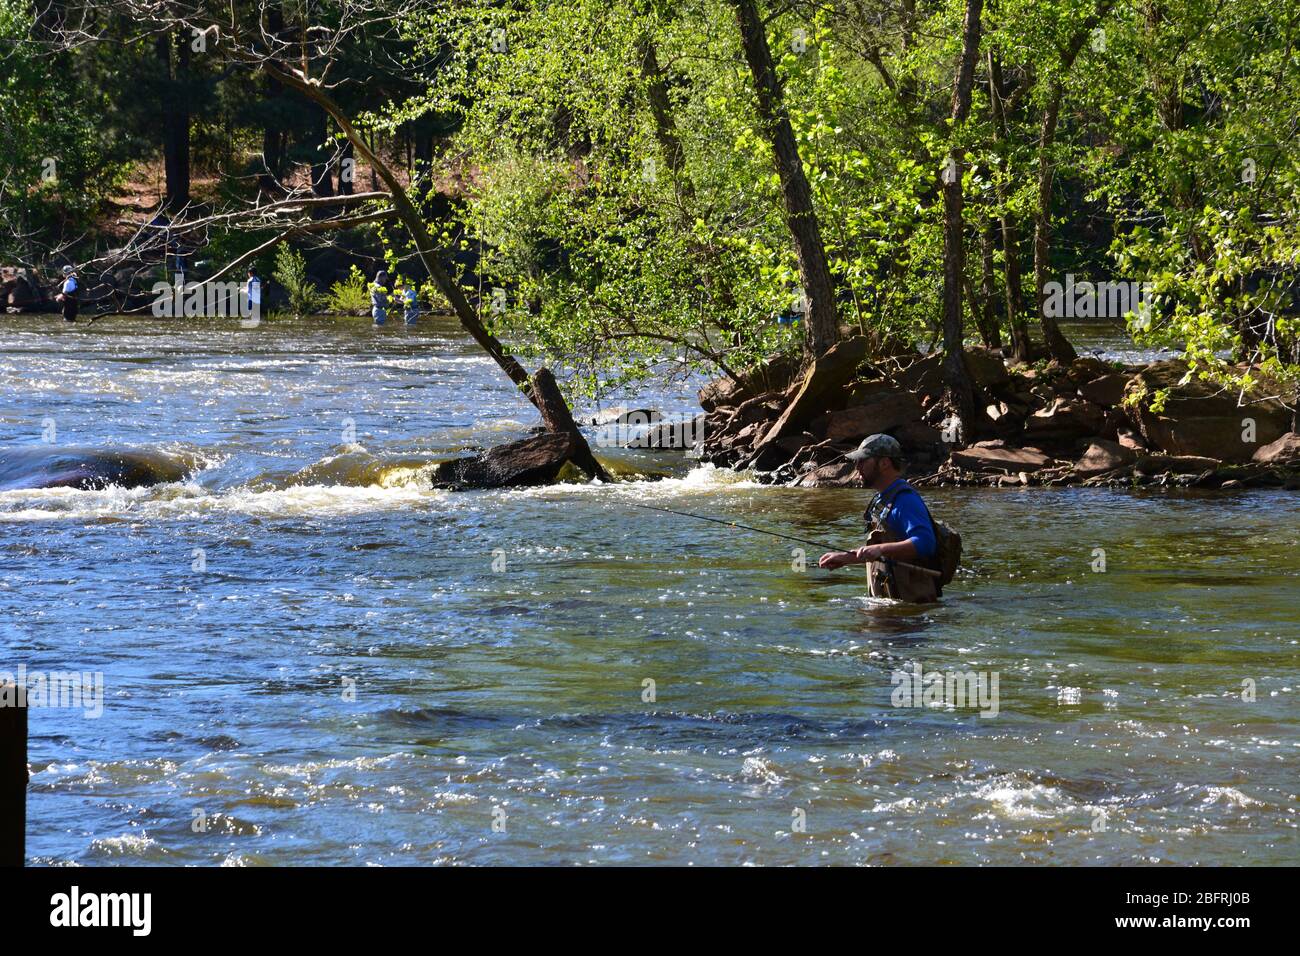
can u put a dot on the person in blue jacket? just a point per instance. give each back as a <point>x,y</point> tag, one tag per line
<point>410,301</point>
<point>901,527</point>
<point>379,298</point>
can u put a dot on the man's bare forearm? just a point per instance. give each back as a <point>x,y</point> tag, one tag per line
<point>893,550</point>
<point>904,550</point>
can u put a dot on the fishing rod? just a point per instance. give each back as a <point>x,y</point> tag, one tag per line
<point>737,524</point>
<point>774,534</point>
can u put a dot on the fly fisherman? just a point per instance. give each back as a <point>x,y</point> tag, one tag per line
<point>253,293</point>
<point>410,302</point>
<point>902,531</point>
<point>68,295</point>
<point>379,297</point>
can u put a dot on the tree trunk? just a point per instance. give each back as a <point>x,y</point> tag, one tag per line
<point>1020,347</point>
<point>961,392</point>
<point>322,172</point>
<point>175,115</point>
<point>1057,345</point>
<point>555,414</point>
<point>822,325</point>
<point>986,317</point>
<point>274,143</point>
<point>422,166</point>
<point>347,169</point>
<point>665,127</point>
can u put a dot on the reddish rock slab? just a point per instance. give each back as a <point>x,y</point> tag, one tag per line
<point>1103,456</point>
<point>878,413</point>
<point>998,456</point>
<point>1107,391</point>
<point>1284,451</point>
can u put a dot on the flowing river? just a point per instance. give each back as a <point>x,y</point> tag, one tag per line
<point>310,657</point>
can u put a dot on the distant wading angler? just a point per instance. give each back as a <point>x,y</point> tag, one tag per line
<point>379,298</point>
<point>67,297</point>
<point>904,541</point>
<point>410,301</point>
<point>253,292</point>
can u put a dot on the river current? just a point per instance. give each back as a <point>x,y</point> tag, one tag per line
<point>309,656</point>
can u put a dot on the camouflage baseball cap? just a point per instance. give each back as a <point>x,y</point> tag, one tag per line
<point>876,446</point>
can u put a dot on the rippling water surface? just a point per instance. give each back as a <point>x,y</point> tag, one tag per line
<point>310,657</point>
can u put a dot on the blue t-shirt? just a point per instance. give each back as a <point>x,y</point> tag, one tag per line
<point>907,517</point>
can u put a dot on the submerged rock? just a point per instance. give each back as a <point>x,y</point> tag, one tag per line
<point>532,461</point>
<point>671,436</point>
<point>839,474</point>
<point>45,466</point>
<point>621,416</point>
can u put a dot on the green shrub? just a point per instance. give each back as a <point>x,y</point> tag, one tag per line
<point>291,273</point>
<point>349,296</point>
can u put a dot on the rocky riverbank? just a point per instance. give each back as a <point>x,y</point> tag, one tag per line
<point>1090,423</point>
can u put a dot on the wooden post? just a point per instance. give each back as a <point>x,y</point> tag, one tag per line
<point>13,777</point>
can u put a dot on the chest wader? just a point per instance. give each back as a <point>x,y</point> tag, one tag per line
<point>887,579</point>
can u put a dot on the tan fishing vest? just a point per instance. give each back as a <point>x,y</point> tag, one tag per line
<point>889,580</point>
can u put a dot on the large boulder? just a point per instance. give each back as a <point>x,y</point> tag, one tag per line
<point>839,474</point>
<point>1066,418</point>
<point>760,408</point>
<point>1086,368</point>
<point>773,375</point>
<point>1284,451</point>
<point>881,412</point>
<point>1131,440</point>
<point>986,368</point>
<point>914,436</point>
<point>925,376</point>
<point>822,387</point>
<point>1103,456</point>
<point>25,293</point>
<point>532,461</point>
<point>1106,391</point>
<point>674,436</point>
<point>1200,418</point>
<point>998,456</point>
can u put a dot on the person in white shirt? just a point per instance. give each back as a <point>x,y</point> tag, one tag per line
<point>253,292</point>
<point>68,297</point>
